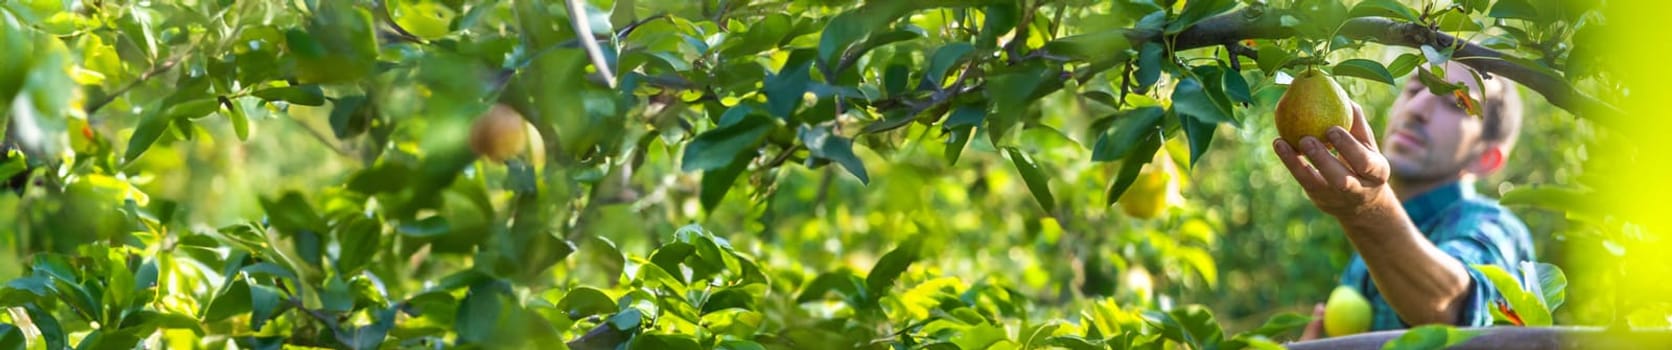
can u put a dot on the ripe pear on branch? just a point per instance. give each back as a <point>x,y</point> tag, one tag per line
<point>1313,103</point>
<point>499,134</point>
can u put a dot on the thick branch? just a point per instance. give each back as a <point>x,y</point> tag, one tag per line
<point>1245,24</point>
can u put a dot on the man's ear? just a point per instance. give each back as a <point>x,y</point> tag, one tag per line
<point>1491,159</point>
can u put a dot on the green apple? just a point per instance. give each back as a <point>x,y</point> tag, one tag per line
<point>1346,313</point>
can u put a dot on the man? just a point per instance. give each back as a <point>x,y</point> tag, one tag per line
<point>1408,207</point>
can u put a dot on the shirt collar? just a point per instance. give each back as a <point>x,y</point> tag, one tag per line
<point>1429,204</point>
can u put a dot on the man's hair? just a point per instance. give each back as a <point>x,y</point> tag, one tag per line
<point>1500,109</point>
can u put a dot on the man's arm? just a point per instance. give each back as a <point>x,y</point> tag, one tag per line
<point>1422,283</point>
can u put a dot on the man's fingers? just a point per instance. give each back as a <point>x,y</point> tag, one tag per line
<point>1315,329</point>
<point>1330,167</point>
<point>1361,130</point>
<point>1303,173</point>
<point>1362,161</point>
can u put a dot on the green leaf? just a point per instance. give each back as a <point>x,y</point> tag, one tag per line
<point>1514,9</point>
<point>586,301</point>
<point>1132,164</point>
<point>1555,198</point>
<point>822,143</point>
<point>955,142</point>
<point>1404,64</point>
<point>1192,324</point>
<point>943,60</point>
<point>51,331</point>
<point>291,213</point>
<point>1280,324</point>
<point>1236,87</point>
<point>761,36</point>
<point>1130,127</point>
<point>240,122</point>
<point>1191,99</point>
<point>719,147</point>
<point>11,338</point>
<point>851,26</point>
<point>1363,68</point>
<point>1429,337</point>
<point>193,109</point>
<point>715,183</point>
<point>1149,66</point>
<point>1038,183</point>
<point>152,124</point>
<point>1074,342</point>
<point>479,314</point>
<point>843,282</point>
<point>265,303</point>
<point>1384,8</point>
<point>1012,93</point>
<point>348,117</point>
<point>1453,21</point>
<point>785,90</point>
<point>1091,46</point>
<point>1553,283</point>
<point>890,267</point>
<point>306,95</point>
<point>1272,57</point>
<point>1530,306</point>
<point>878,40</point>
<point>1196,11</point>
<point>1200,134</point>
<point>358,242</point>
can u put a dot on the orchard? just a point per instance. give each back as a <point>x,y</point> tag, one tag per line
<point>793,174</point>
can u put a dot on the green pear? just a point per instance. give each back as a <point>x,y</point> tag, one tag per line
<point>1313,103</point>
<point>1346,313</point>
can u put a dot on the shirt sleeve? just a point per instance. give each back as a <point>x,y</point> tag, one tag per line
<point>1486,243</point>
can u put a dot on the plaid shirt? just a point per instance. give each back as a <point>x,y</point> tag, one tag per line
<point>1471,228</point>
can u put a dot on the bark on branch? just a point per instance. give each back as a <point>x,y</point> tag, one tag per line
<point>1232,27</point>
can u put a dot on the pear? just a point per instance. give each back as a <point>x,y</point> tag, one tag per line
<point>1155,190</point>
<point>1347,312</point>
<point>1313,103</point>
<point>499,134</point>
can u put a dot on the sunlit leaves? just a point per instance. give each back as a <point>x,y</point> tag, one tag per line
<point>1363,68</point>
<point>1034,176</point>
<point>1529,306</point>
<point>1384,8</point>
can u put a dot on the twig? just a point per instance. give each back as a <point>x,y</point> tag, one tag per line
<point>321,137</point>
<point>578,18</point>
<point>336,330</point>
<point>154,71</point>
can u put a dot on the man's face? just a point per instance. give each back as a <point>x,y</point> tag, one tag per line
<point>1431,137</point>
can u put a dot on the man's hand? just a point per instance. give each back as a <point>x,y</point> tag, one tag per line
<point>1347,183</point>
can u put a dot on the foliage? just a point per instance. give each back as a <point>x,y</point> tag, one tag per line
<point>196,174</point>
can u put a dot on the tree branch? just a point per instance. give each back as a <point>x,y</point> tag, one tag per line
<point>1246,24</point>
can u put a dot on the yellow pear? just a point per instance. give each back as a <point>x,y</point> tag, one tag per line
<point>1347,312</point>
<point>1156,188</point>
<point>499,134</point>
<point>1313,103</point>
